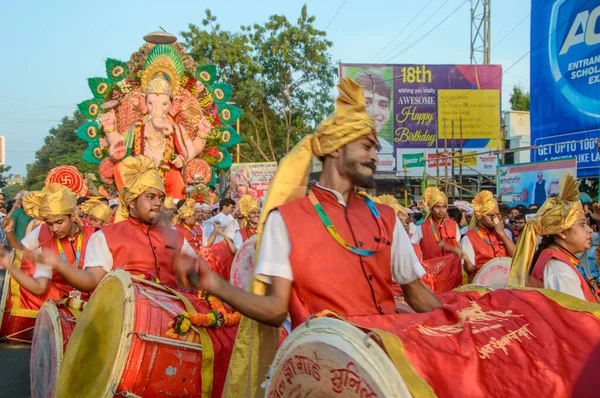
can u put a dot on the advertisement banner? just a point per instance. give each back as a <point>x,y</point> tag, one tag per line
<point>413,160</point>
<point>421,108</point>
<point>532,183</point>
<point>565,82</point>
<point>251,178</point>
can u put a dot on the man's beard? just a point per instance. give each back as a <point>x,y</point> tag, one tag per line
<point>360,179</point>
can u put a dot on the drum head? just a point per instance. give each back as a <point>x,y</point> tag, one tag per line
<point>325,356</point>
<point>494,273</point>
<point>243,264</point>
<point>97,351</point>
<point>46,351</point>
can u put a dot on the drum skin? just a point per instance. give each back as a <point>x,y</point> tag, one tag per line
<point>53,329</point>
<point>242,267</point>
<point>494,273</point>
<point>124,343</point>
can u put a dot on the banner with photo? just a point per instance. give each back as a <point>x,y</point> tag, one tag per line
<point>251,179</point>
<point>532,183</point>
<point>421,108</point>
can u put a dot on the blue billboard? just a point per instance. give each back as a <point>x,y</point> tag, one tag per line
<point>565,82</point>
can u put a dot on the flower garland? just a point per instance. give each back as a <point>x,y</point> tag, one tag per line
<point>217,317</point>
<point>139,147</point>
<point>74,303</point>
<point>149,277</point>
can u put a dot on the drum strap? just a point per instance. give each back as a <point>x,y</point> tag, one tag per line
<point>208,353</point>
<point>393,346</point>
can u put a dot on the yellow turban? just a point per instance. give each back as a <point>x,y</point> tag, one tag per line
<point>349,123</point>
<point>101,211</point>
<point>556,215</point>
<point>186,210</point>
<point>169,203</point>
<point>433,196</point>
<point>137,175</point>
<point>483,204</point>
<point>54,199</point>
<point>247,204</point>
<point>392,202</point>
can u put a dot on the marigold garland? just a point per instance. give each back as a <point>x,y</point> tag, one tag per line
<point>149,277</point>
<point>74,303</point>
<point>217,317</point>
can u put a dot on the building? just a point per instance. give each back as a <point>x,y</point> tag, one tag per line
<point>517,134</point>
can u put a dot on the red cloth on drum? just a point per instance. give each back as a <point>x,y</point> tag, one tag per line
<point>453,297</point>
<point>446,232</point>
<point>194,240</point>
<point>443,273</point>
<point>58,287</point>
<point>500,345</point>
<point>138,248</point>
<point>326,275</point>
<point>223,259</point>
<point>484,252</point>
<point>561,255</point>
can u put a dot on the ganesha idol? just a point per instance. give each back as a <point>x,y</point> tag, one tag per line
<point>156,135</point>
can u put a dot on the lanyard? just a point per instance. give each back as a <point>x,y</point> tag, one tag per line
<point>435,234</point>
<point>194,231</point>
<point>575,262</point>
<point>381,240</point>
<point>482,237</point>
<point>77,256</point>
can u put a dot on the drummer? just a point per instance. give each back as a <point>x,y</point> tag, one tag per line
<point>554,265</point>
<point>136,242</point>
<point>486,238</point>
<point>438,234</point>
<point>61,239</point>
<point>402,215</point>
<point>331,249</point>
<point>250,210</point>
<point>185,222</point>
<point>97,212</point>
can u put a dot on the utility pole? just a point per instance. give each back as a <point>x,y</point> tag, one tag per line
<point>480,31</point>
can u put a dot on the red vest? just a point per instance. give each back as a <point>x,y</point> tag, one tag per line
<point>247,232</point>
<point>567,258</point>
<point>326,275</point>
<point>58,287</point>
<point>138,248</point>
<point>446,231</point>
<point>484,252</point>
<point>192,235</point>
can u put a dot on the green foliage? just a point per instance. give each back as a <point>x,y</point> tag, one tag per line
<point>283,77</point>
<point>61,147</point>
<point>10,191</point>
<point>519,100</point>
<point>3,170</point>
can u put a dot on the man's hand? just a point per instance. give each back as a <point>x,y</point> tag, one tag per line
<point>8,224</point>
<point>595,212</point>
<point>498,226</point>
<point>49,258</point>
<point>195,273</point>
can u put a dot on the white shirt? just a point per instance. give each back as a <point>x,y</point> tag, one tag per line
<point>31,242</point>
<point>238,240</point>
<point>228,223</point>
<point>97,253</point>
<point>418,235</point>
<point>560,277</point>
<point>274,257</point>
<point>467,247</point>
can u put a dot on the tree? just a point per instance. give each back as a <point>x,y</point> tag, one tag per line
<point>61,147</point>
<point>3,170</point>
<point>519,101</point>
<point>283,77</point>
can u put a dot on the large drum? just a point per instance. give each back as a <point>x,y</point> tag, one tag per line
<point>53,329</point>
<point>242,267</point>
<point>494,273</point>
<point>329,357</point>
<point>18,307</point>
<point>125,343</point>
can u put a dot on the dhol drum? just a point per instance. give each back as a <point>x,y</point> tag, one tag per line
<point>53,328</point>
<point>329,357</point>
<point>18,307</point>
<point>126,343</point>
<point>494,273</point>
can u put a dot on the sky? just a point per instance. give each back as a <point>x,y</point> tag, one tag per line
<point>49,49</point>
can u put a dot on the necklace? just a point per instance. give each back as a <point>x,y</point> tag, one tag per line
<point>381,239</point>
<point>77,255</point>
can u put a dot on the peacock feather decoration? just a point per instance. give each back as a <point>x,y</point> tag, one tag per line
<point>198,93</point>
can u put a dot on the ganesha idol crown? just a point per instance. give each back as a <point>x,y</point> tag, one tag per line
<point>159,85</point>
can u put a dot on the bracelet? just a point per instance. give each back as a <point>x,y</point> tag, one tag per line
<point>8,230</point>
<point>109,130</point>
<point>204,137</point>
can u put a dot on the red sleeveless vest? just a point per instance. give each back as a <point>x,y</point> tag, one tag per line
<point>247,232</point>
<point>58,287</point>
<point>484,252</point>
<point>446,231</point>
<point>567,258</point>
<point>194,237</point>
<point>139,248</point>
<point>326,275</point>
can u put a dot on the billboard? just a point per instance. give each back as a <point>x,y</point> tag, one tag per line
<point>565,82</point>
<point>429,109</point>
<point>251,179</point>
<point>532,183</point>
